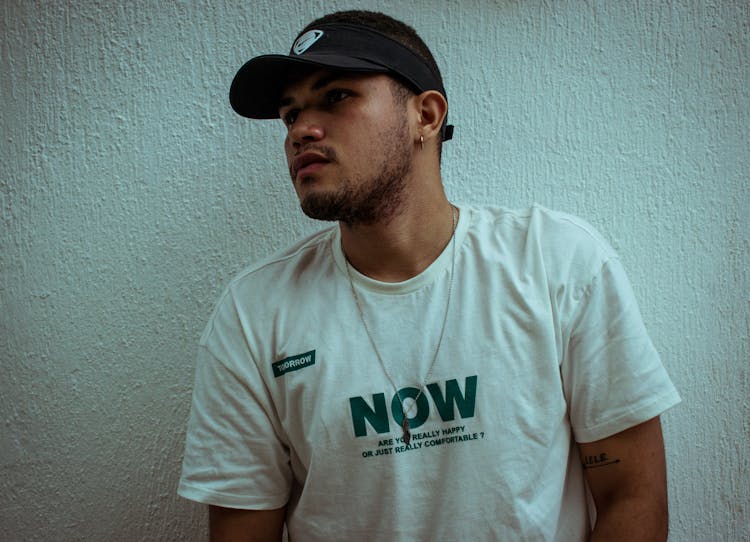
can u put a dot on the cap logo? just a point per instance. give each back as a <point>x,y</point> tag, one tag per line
<point>305,41</point>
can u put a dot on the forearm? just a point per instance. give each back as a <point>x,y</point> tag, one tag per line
<point>631,519</point>
<point>627,476</point>
<point>233,525</point>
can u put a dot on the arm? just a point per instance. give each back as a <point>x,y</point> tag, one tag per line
<point>233,525</point>
<point>627,477</point>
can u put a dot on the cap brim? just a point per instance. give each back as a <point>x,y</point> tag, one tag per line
<point>256,88</point>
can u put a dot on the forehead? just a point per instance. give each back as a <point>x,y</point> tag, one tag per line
<point>306,77</point>
<point>312,78</point>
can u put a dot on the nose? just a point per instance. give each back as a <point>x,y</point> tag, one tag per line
<point>306,129</point>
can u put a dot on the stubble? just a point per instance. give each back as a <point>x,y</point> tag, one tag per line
<point>366,201</point>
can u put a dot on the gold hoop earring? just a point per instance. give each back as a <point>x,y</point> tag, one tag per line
<point>421,142</point>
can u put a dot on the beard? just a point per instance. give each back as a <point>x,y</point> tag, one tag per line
<point>372,199</point>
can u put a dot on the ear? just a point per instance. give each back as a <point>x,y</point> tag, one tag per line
<point>432,109</point>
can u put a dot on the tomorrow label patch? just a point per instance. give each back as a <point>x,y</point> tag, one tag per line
<point>294,363</point>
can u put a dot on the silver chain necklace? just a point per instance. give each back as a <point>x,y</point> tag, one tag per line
<point>405,424</point>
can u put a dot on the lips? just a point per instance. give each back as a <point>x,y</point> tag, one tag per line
<point>307,163</point>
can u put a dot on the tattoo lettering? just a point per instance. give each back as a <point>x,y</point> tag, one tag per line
<point>601,460</point>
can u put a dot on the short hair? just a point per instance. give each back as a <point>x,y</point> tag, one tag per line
<point>394,29</point>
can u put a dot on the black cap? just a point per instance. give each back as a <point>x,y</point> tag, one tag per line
<point>256,88</point>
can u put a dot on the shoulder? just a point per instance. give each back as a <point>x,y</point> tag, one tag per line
<point>303,255</point>
<point>556,234</point>
<point>549,227</point>
<point>264,284</point>
<point>558,252</point>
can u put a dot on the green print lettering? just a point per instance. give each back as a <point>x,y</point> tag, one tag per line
<point>295,363</point>
<point>423,441</point>
<point>361,413</point>
<point>464,403</point>
<point>423,407</point>
<point>446,403</point>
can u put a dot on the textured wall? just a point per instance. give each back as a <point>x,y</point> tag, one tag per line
<point>130,193</point>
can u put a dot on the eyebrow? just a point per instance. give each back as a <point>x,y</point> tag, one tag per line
<point>320,83</point>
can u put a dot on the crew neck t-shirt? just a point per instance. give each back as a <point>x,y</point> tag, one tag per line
<point>544,346</point>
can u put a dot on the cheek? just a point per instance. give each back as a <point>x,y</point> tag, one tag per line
<point>288,149</point>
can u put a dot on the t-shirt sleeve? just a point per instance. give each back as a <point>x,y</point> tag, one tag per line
<point>235,450</point>
<point>612,375</point>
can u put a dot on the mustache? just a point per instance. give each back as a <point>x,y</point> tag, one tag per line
<point>328,152</point>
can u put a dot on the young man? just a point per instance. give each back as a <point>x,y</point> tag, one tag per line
<point>418,371</point>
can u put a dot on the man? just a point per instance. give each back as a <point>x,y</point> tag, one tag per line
<point>419,371</point>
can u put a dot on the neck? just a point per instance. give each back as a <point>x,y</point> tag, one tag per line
<point>403,246</point>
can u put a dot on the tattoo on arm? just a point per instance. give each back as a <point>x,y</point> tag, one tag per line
<point>601,460</point>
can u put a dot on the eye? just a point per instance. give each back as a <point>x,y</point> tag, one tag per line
<point>336,95</point>
<point>290,116</point>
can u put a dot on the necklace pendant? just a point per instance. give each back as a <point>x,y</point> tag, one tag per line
<point>407,431</point>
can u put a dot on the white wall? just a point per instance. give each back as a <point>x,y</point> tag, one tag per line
<point>130,193</point>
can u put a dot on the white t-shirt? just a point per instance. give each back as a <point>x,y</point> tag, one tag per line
<point>544,346</point>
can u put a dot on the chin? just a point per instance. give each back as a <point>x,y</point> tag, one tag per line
<point>323,205</point>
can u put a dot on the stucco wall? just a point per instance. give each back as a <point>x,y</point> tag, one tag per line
<point>130,193</point>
